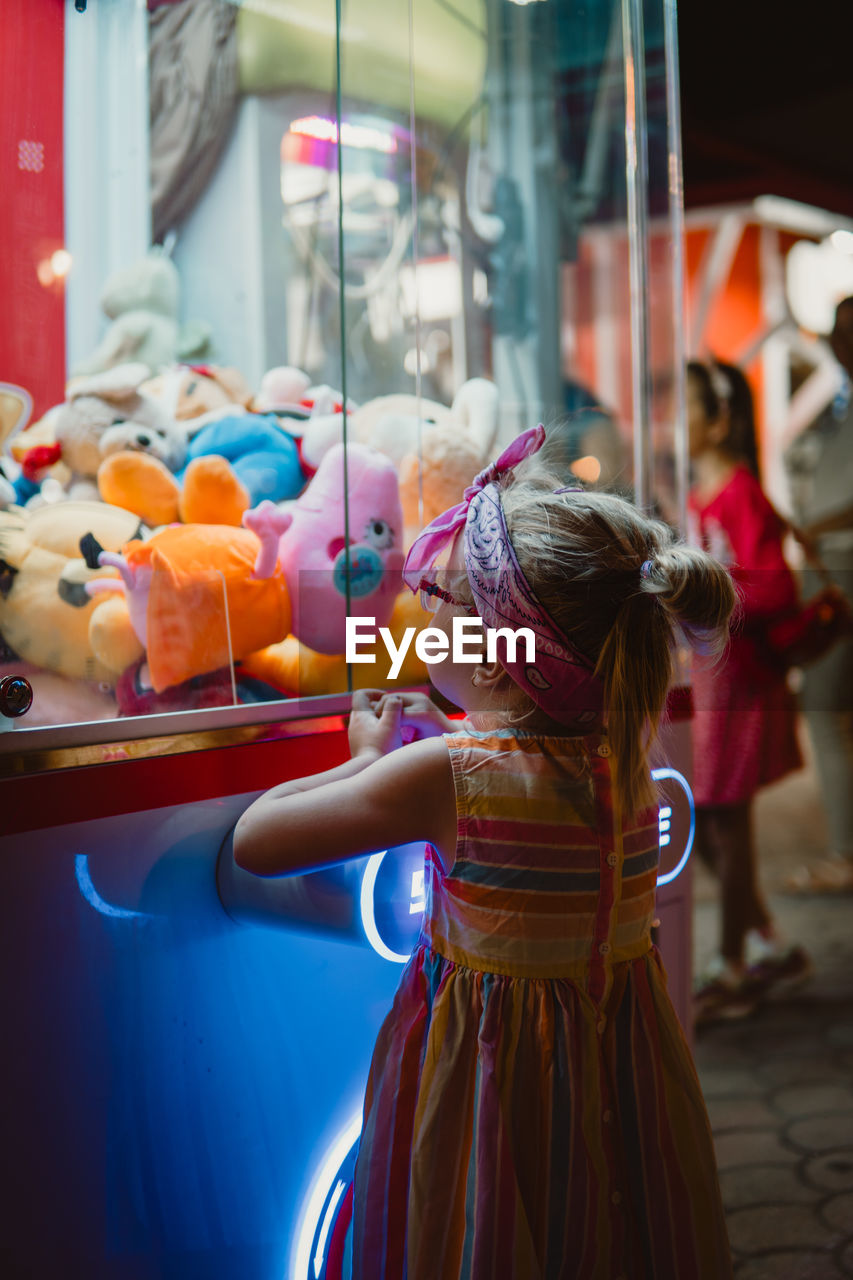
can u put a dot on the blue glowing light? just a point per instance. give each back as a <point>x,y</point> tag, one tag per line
<point>328,1217</point>
<point>664,822</point>
<point>368,915</point>
<point>319,1205</point>
<point>94,899</point>
<point>417,902</point>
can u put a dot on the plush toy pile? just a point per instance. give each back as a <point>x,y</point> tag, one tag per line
<point>171,538</point>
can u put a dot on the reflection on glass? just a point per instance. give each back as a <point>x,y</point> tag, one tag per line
<point>286,240</point>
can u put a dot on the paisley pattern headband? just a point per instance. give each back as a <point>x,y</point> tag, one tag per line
<point>561,680</point>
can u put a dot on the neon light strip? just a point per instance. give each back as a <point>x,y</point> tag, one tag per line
<point>317,1198</point>
<point>368,918</point>
<point>418,899</point>
<point>324,1230</point>
<point>658,774</point>
<point>94,899</point>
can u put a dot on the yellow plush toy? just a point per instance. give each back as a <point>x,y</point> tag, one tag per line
<point>300,672</point>
<point>45,611</point>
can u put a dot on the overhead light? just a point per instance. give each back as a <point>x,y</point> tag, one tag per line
<point>60,262</point>
<point>432,292</point>
<point>363,136</point>
<point>53,269</point>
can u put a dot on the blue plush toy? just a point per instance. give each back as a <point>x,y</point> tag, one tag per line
<point>263,456</point>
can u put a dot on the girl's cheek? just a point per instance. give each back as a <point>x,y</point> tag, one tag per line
<point>446,678</point>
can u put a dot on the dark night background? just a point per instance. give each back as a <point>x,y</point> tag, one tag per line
<point>767,101</point>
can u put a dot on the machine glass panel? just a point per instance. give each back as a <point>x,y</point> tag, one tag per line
<point>287,276</point>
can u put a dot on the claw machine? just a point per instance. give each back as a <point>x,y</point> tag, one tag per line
<point>285,276</point>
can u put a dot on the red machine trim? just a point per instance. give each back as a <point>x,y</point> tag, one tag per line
<point>56,798</point>
<point>106,790</point>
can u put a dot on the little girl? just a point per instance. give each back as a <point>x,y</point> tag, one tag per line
<point>532,1109</point>
<point>744,727</point>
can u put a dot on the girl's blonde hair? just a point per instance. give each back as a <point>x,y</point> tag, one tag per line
<point>583,554</point>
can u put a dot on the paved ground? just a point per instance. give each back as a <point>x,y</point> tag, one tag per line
<point>779,1086</point>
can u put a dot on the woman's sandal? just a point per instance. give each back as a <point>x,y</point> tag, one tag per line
<point>833,875</point>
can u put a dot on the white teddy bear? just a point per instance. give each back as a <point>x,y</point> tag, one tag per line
<point>142,301</point>
<point>102,415</point>
<point>437,450</point>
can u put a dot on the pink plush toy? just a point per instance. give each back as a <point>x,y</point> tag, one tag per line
<point>198,596</point>
<point>313,551</point>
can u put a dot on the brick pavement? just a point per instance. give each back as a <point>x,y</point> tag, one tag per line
<point>779,1085</point>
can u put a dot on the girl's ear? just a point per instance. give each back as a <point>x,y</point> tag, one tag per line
<point>487,675</point>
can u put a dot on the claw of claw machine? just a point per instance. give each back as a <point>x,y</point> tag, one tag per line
<point>246,242</point>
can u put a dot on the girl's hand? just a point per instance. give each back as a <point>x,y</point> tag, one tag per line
<point>421,717</point>
<point>374,723</point>
<point>807,542</point>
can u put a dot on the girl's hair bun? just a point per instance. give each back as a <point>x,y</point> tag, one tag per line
<point>696,591</point>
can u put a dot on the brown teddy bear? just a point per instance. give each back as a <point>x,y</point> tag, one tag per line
<point>102,415</point>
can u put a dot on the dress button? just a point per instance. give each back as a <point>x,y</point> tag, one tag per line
<point>616,1198</point>
<point>601,1025</point>
<point>603,948</point>
<point>607,1117</point>
<point>612,859</point>
<point>604,749</point>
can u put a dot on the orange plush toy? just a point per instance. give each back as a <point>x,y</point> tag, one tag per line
<point>194,600</point>
<point>211,492</point>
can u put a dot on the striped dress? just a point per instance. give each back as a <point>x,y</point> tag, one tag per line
<point>532,1110</point>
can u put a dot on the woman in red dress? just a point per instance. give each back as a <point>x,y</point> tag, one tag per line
<point>744,727</point>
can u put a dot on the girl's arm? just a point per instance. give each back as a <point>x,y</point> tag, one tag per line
<point>372,802</point>
<point>830,524</point>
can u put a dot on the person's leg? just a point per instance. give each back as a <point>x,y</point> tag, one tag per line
<point>726,844</point>
<point>735,983</point>
<point>723,843</point>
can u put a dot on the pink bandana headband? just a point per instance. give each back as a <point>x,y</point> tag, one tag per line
<point>561,681</point>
